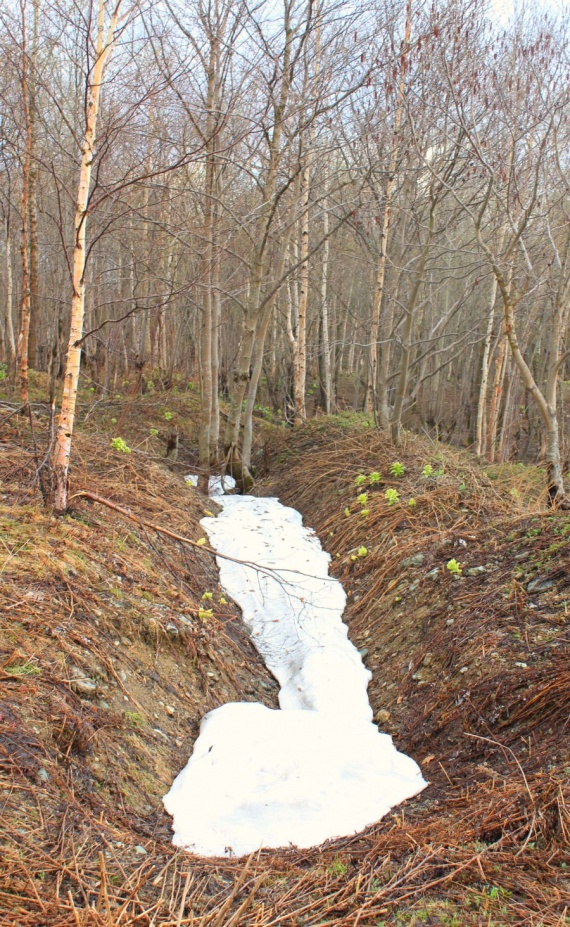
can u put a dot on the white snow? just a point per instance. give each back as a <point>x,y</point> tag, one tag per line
<point>318,768</point>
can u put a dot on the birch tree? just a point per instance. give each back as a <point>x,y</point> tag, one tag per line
<point>106,24</point>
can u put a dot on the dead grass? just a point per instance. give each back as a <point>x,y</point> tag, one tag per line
<point>89,846</point>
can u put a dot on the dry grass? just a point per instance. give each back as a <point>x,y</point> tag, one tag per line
<point>486,844</point>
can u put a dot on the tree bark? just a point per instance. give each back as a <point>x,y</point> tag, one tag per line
<point>66,418</point>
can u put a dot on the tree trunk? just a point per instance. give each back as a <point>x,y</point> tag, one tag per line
<point>10,337</point>
<point>32,198</point>
<point>375,403</point>
<point>484,385</point>
<point>66,418</point>
<point>300,352</point>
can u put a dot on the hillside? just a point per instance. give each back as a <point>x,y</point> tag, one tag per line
<point>110,659</point>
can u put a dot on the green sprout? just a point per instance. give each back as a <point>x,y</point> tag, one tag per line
<point>119,445</point>
<point>427,471</point>
<point>153,432</point>
<point>362,498</point>
<point>374,478</point>
<point>454,567</point>
<point>168,416</point>
<point>207,596</point>
<point>365,512</point>
<point>360,479</point>
<point>391,496</point>
<point>362,551</point>
<point>347,511</point>
<point>412,503</point>
<point>397,468</point>
<point>113,421</point>
<point>205,613</point>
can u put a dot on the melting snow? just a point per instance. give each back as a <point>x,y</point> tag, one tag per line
<point>318,768</point>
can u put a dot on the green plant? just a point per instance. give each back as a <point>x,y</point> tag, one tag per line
<point>168,416</point>
<point>362,498</point>
<point>205,613</point>
<point>365,512</point>
<point>391,496</point>
<point>347,511</point>
<point>412,503</point>
<point>23,669</point>
<point>153,432</point>
<point>207,596</point>
<point>119,445</point>
<point>427,471</point>
<point>362,551</point>
<point>374,478</point>
<point>360,479</point>
<point>454,567</point>
<point>397,468</point>
<point>338,867</point>
<point>113,421</point>
<point>134,719</point>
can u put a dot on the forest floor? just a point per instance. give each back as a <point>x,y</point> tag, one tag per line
<point>458,589</point>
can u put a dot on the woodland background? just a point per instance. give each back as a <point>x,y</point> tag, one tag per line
<point>292,207</point>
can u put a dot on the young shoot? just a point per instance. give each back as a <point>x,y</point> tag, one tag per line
<point>391,496</point>
<point>454,567</point>
<point>119,445</point>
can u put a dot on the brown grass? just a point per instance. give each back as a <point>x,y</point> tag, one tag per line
<point>89,846</point>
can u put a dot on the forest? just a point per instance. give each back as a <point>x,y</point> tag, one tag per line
<point>291,208</point>
<point>284,463</point>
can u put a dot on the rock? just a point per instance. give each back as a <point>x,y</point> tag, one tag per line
<point>416,560</point>
<point>172,630</point>
<point>382,716</point>
<point>170,710</point>
<point>81,683</point>
<point>540,584</point>
<point>427,660</point>
<point>475,571</point>
<point>522,665</point>
<point>434,574</point>
<point>450,621</point>
<point>363,652</point>
<point>43,774</point>
<point>141,850</point>
<point>464,669</point>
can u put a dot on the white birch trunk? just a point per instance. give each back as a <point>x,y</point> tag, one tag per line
<point>66,418</point>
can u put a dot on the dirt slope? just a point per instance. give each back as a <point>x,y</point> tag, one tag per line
<point>110,658</point>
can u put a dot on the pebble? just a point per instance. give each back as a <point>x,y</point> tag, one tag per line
<point>475,571</point>
<point>170,710</point>
<point>433,574</point>
<point>416,560</point>
<point>540,584</point>
<point>141,850</point>
<point>464,669</point>
<point>43,774</point>
<point>81,683</point>
<point>382,716</point>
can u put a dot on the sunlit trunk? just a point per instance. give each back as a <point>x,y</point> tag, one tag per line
<point>66,418</point>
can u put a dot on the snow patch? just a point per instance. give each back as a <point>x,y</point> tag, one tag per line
<point>318,768</point>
